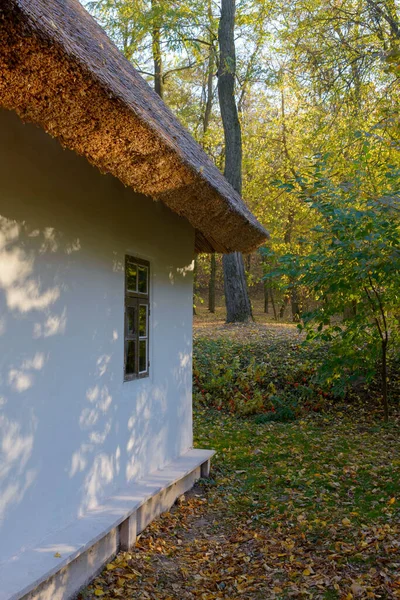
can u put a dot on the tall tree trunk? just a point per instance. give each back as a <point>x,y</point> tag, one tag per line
<point>283,307</point>
<point>156,51</point>
<point>209,91</point>
<point>266,297</point>
<point>295,304</point>
<point>237,300</point>
<point>294,295</point>
<point>273,304</point>
<point>211,286</point>
<point>384,381</point>
<point>238,307</point>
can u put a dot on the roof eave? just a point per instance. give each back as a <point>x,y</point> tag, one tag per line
<point>50,86</point>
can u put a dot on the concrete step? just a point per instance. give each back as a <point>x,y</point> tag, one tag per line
<point>67,559</point>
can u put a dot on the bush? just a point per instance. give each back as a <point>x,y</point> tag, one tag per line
<point>352,270</point>
<point>277,382</point>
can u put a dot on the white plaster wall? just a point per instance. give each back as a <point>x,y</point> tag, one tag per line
<point>71,430</point>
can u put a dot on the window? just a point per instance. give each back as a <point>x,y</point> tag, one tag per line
<point>137,311</point>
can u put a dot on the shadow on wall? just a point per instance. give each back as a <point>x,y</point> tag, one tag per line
<point>70,431</point>
<point>22,293</point>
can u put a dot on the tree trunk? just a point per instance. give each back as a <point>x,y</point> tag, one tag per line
<point>156,51</point>
<point>294,300</point>
<point>211,285</point>
<point>209,92</point>
<point>248,263</point>
<point>266,297</point>
<point>238,305</point>
<point>208,84</point>
<point>273,305</point>
<point>283,307</point>
<point>210,73</point>
<point>384,381</point>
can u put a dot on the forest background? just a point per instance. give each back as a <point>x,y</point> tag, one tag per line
<point>316,91</point>
<point>314,78</point>
<point>305,500</point>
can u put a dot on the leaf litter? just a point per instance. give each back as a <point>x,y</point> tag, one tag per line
<point>307,509</point>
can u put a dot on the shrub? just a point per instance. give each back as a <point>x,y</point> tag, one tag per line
<point>352,262</point>
<point>276,381</point>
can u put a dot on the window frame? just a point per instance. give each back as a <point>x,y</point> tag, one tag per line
<point>136,299</point>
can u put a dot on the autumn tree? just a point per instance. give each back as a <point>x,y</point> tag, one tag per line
<point>310,76</point>
<point>236,295</point>
<point>354,258</point>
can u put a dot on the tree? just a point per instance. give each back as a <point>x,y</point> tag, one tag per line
<point>156,48</point>
<point>354,259</point>
<point>159,37</point>
<point>235,286</point>
<point>309,75</point>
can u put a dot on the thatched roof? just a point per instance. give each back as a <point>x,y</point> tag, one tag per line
<point>59,69</point>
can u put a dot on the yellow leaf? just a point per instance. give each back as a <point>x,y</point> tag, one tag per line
<point>111,567</point>
<point>98,592</point>
<point>57,555</point>
<point>392,500</point>
<point>346,522</point>
<point>356,589</point>
<point>301,518</point>
<point>306,572</point>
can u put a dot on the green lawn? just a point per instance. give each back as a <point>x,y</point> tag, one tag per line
<point>308,508</point>
<point>322,493</point>
<point>317,471</point>
<point>305,509</point>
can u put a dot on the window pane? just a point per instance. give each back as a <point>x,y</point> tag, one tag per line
<point>143,320</point>
<point>131,320</point>
<point>142,356</point>
<point>131,277</point>
<point>143,276</point>
<point>130,367</point>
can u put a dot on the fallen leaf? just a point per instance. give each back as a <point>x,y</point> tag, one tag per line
<point>356,589</point>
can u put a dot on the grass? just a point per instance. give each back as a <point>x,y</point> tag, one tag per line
<point>305,509</point>
<point>323,468</point>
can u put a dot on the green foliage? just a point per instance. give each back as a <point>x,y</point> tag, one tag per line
<point>276,381</point>
<point>352,270</point>
<point>310,74</point>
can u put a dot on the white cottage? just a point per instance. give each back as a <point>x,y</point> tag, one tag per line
<point>95,297</point>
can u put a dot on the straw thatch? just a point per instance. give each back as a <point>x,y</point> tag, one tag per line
<point>58,69</point>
